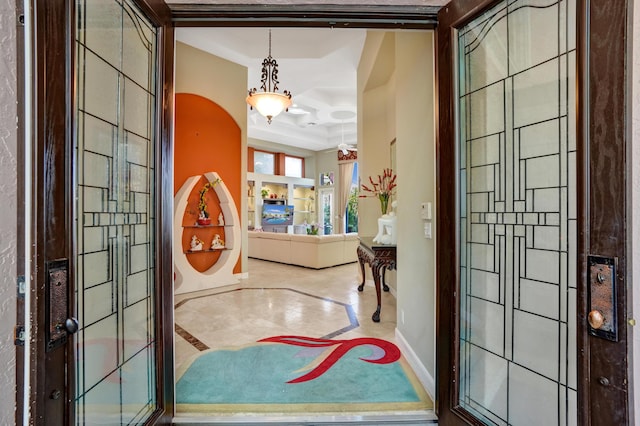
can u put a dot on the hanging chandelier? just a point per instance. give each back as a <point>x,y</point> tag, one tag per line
<point>269,102</point>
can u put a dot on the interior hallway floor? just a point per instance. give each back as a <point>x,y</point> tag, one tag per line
<point>281,300</point>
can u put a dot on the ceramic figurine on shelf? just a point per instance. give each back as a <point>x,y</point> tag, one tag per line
<point>387,224</point>
<point>217,242</point>
<point>203,220</point>
<point>221,219</point>
<point>196,243</point>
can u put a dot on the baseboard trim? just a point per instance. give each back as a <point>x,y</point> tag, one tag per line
<point>421,372</point>
<point>373,285</point>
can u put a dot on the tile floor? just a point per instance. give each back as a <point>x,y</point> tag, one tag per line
<point>280,299</point>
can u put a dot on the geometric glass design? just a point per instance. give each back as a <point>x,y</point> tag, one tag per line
<point>114,213</point>
<point>516,157</point>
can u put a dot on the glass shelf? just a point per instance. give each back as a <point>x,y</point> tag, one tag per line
<point>207,226</point>
<point>205,251</point>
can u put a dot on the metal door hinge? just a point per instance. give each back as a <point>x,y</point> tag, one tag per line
<point>18,335</point>
<point>21,286</point>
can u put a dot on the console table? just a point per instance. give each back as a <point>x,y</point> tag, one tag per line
<point>381,257</point>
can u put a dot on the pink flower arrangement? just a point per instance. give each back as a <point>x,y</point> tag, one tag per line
<point>382,189</point>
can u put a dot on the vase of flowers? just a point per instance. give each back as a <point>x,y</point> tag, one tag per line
<point>383,189</point>
<point>203,216</point>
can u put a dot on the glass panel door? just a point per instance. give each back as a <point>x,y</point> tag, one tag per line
<point>517,213</point>
<point>114,213</point>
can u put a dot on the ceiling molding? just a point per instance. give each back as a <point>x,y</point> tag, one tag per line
<point>328,16</point>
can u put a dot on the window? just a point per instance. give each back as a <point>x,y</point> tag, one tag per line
<point>293,166</point>
<point>264,162</point>
<point>351,215</point>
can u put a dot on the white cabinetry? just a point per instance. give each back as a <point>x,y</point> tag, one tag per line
<point>298,192</point>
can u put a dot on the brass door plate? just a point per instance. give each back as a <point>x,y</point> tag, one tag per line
<point>602,296</point>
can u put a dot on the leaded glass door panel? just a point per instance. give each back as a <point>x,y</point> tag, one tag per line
<point>532,98</point>
<point>115,213</point>
<point>517,213</point>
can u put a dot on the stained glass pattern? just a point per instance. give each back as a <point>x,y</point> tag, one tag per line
<point>114,213</point>
<point>517,213</point>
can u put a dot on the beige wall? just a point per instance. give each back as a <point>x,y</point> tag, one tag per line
<point>309,156</point>
<point>224,83</point>
<point>8,208</point>
<point>398,103</point>
<point>415,151</point>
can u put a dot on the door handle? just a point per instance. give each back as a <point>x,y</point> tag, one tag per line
<point>596,319</point>
<point>601,289</point>
<point>71,325</point>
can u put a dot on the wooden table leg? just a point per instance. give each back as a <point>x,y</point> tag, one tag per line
<point>376,269</point>
<point>361,259</point>
<point>385,287</point>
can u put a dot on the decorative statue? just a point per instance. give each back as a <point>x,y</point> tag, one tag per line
<point>217,242</point>
<point>221,219</point>
<point>196,243</point>
<point>387,227</point>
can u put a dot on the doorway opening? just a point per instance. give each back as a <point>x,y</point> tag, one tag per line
<point>377,125</point>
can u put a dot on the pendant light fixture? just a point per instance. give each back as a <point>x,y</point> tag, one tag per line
<point>269,102</point>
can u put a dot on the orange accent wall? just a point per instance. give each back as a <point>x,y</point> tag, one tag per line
<point>207,139</point>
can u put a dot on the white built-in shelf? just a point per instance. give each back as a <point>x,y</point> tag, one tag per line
<point>205,251</point>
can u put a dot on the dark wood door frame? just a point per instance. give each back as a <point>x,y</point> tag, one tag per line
<point>53,133</point>
<point>602,206</point>
<point>52,110</point>
<point>607,89</point>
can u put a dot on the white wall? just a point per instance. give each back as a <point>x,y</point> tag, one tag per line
<point>415,151</point>
<point>201,73</point>
<point>8,208</point>
<point>308,155</point>
<point>376,120</point>
<point>398,103</point>
<point>634,241</point>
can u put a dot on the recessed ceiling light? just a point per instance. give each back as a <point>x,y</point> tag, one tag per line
<point>342,115</point>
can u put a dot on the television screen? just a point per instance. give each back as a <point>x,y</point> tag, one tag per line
<point>277,214</point>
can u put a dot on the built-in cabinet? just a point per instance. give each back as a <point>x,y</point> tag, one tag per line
<point>298,192</point>
<point>304,204</point>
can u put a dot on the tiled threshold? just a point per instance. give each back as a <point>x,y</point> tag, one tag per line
<point>400,418</point>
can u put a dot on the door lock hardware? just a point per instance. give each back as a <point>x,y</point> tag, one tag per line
<point>18,335</point>
<point>57,303</point>
<point>604,381</point>
<point>602,300</point>
<point>21,286</point>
